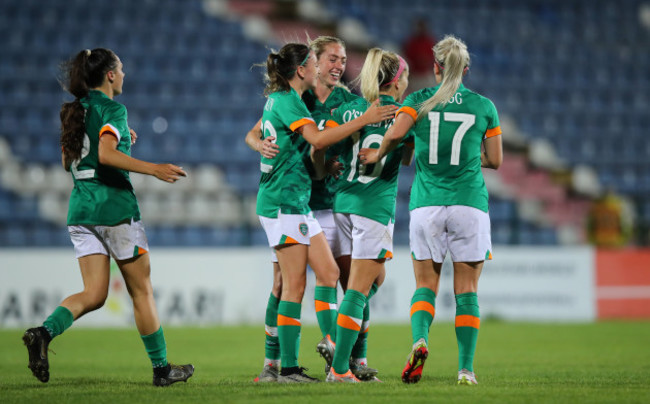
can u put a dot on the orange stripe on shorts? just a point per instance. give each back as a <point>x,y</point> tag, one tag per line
<point>468,321</point>
<point>423,306</point>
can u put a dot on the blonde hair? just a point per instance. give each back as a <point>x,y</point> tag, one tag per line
<point>452,58</point>
<point>379,69</point>
<point>319,44</point>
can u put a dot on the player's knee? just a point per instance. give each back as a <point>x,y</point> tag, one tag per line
<point>95,301</point>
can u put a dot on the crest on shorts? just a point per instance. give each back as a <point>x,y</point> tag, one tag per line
<point>303,228</point>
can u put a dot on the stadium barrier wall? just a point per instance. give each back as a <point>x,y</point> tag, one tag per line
<point>231,286</point>
<point>623,283</point>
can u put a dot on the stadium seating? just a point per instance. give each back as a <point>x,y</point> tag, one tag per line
<point>573,73</point>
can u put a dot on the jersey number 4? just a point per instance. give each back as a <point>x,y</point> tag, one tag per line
<point>466,122</point>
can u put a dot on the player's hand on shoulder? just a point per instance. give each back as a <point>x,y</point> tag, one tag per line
<point>377,113</point>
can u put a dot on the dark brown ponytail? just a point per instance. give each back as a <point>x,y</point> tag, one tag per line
<point>85,71</point>
<point>282,66</point>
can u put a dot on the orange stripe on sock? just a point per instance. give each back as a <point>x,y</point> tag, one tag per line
<point>284,320</point>
<point>347,322</point>
<point>321,305</point>
<point>423,306</point>
<point>468,321</point>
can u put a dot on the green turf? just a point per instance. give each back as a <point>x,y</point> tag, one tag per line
<point>515,363</point>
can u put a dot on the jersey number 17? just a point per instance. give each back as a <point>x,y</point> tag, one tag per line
<point>466,122</point>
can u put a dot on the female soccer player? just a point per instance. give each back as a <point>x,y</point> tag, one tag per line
<point>285,186</point>
<point>449,201</point>
<point>321,101</point>
<point>364,204</point>
<point>103,216</point>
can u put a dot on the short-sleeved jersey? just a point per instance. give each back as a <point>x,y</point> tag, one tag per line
<point>285,184</point>
<point>102,195</point>
<point>322,192</point>
<point>368,191</point>
<point>448,149</point>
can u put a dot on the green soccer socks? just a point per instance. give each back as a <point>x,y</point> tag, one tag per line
<point>467,325</point>
<point>60,320</point>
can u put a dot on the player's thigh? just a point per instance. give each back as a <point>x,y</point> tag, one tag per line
<point>468,234</point>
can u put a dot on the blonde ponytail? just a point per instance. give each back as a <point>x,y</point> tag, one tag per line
<point>369,76</point>
<point>380,69</point>
<point>452,58</point>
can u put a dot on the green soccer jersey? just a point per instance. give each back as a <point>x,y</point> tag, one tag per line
<point>368,191</point>
<point>322,191</point>
<point>102,195</point>
<point>285,184</point>
<point>448,149</point>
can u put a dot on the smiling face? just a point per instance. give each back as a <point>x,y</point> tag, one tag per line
<point>331,64</point>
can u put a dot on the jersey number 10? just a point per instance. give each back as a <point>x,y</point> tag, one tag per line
<point>367,142</point>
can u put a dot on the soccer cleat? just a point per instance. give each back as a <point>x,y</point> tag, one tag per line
<point>363,372</point>
<point>413,370</point>
<point>326,349</point>
<point>269,374</point>
<point>297,375</point>
<point>466,378</point>
<point>347,377</point>
<point>176,373</point>
<point>37,340</point>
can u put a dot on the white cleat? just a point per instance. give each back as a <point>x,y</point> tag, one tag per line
<point>348,377</point>
<point>466,378</point>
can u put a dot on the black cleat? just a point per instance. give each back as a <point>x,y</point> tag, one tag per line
<point>37,340</point>
<point>175,373</point>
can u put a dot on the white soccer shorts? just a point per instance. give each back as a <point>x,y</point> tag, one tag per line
<point>124,241</point>
<point>464,231</point>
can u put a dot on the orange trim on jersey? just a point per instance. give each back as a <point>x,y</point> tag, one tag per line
<point>389,255</point>
<point>466,320</point>
<point>142,251</point>
<point>321,305</point>
<point>347,322</point>
<point>107,129</point>
<point>284,320</point>
<point>300,122</point>
<point>331,124</point>
<point>412,112</point>
<point>423,306</point>
<point>493,132</point>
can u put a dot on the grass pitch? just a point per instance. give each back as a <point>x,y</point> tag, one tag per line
<point>605,362</point>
